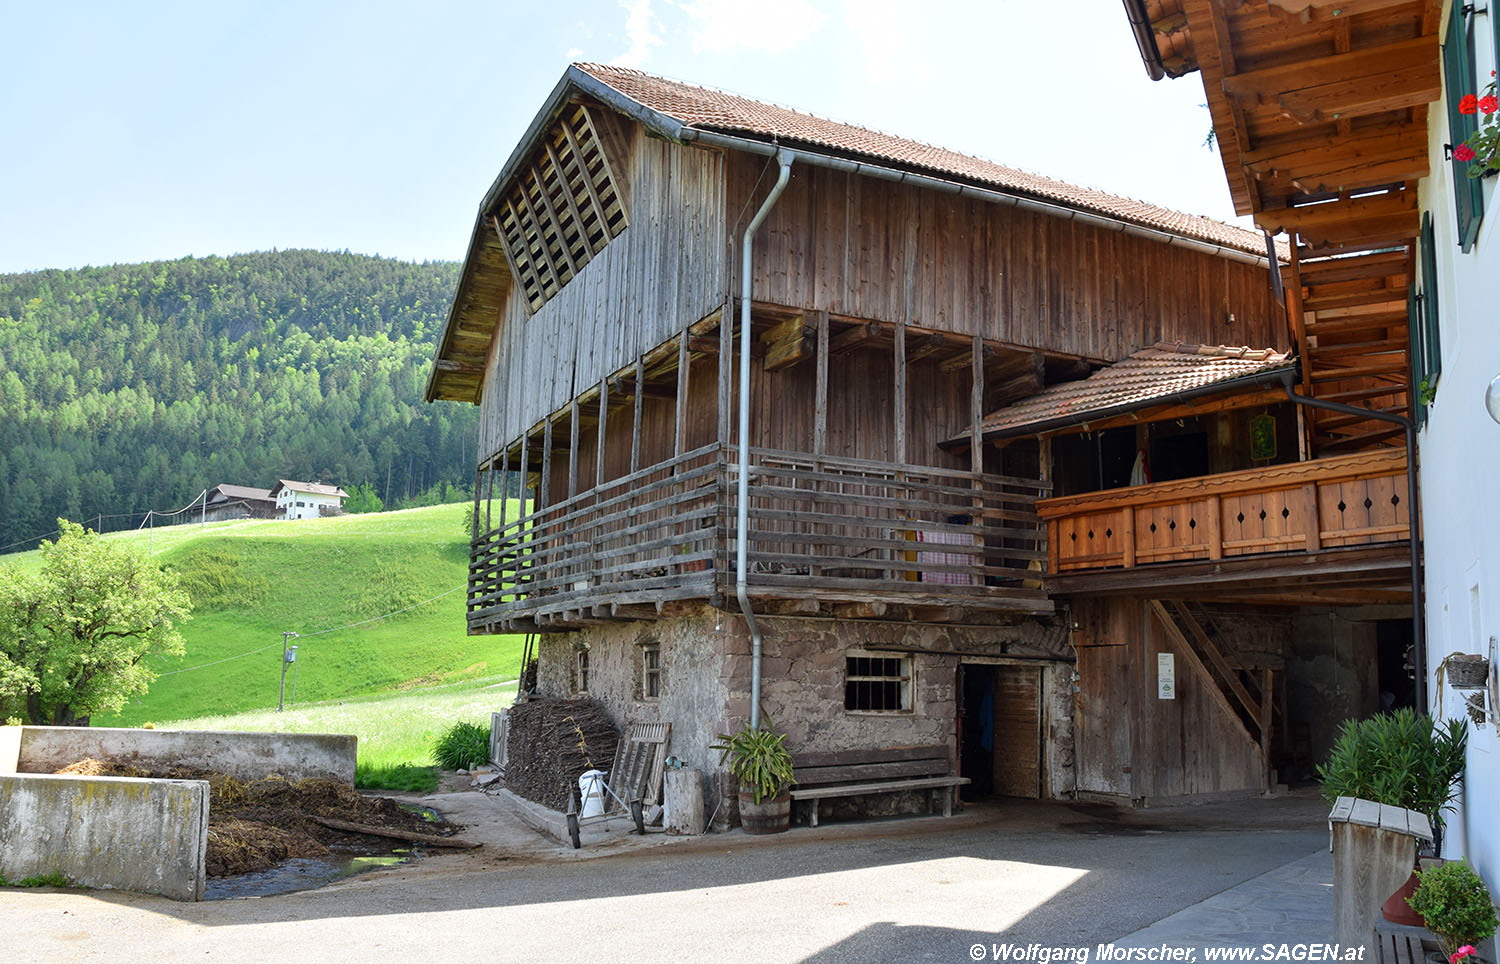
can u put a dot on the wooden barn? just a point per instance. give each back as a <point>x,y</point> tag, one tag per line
<point>861,574</point>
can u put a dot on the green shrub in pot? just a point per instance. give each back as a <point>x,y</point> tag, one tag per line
<point>759,759</point>
<point>1401,759</point>
<point>1456,905</point>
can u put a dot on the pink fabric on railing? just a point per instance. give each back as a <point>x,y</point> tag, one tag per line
<point>946,558</point>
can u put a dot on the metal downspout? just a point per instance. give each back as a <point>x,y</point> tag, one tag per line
<point>742,496</point>
<point>1418,627</point>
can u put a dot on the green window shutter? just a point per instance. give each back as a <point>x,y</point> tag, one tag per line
<point>1414,352</point>
<point>1432,354</point>
<point>1458,74</point>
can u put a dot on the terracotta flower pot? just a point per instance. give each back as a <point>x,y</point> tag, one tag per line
<point>1397,910</point>
<point>771,815</point>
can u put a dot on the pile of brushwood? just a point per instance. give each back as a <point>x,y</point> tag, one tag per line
<point>552,742</point>
<point>253,825</point>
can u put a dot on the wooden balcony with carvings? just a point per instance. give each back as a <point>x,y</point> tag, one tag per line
<point>1327,530</point>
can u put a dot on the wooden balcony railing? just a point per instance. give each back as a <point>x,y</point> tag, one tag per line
<point>1347,500</point>
<point>820,528</point>
<point>844,529</point>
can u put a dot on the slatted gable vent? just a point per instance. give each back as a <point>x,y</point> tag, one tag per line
<point>562,208</point>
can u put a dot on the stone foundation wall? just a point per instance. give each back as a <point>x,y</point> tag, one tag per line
<point>705,688</point>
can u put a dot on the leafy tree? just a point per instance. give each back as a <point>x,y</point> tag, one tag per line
<point>74,637</point>
<point>362,498</point>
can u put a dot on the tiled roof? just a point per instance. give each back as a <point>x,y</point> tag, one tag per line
<point>316,488</point>
<point>242,492</point>
<point>1149,377</point>
<point>701,107</point>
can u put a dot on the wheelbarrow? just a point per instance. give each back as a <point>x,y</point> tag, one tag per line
<point>634,782</point>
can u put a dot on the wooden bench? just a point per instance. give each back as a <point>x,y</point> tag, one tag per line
<point>848,773</point>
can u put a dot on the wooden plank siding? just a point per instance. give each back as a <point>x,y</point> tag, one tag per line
<point>665,271</point>
<point>873,249</point>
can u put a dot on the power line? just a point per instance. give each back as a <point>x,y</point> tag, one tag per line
<point>227,659</point>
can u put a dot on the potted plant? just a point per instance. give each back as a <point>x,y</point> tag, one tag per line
<point>1403,760</point>
<point>1457,907</point>
<point>760,761</point>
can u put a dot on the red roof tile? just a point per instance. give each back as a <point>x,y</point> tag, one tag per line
<point>702,107</point>
<point>1148,377</point>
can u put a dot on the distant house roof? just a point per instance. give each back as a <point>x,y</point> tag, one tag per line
<point>682,112</point>
<point>314,488</point>
<point>229,492</point>
<point>1162,373</point>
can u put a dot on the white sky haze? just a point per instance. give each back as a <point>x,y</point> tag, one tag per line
<point>156,130</point>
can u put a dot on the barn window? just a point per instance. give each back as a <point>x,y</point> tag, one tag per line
<point>651,672</point>
<point>581,671</point>
<point>877,684</point>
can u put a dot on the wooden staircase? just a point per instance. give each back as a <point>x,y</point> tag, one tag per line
<point>1349,318</point>
<point>1248,695</point>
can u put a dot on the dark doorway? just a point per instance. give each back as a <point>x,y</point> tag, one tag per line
<point>976,752</point>
<point>1393,643</point>
<point>1000,730</point>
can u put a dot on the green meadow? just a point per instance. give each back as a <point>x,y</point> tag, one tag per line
<point>328,580</point>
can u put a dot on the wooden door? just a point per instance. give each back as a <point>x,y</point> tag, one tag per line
<point>1018,731</point>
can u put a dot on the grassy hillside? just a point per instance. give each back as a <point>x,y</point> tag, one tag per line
<point>253,580</point>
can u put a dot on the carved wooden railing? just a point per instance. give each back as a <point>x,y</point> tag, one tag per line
<point>1347,500</point>
<point>821,528</point>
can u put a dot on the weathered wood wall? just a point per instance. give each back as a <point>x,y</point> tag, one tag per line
<point>665,271</point>
<point>1131,743</point>
<point>875,249</point>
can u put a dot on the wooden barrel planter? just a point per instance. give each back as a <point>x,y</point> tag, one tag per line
<point>772,815</point>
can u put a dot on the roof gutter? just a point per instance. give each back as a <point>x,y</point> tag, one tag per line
<point>1270,378</point>
<point>1145,38</point>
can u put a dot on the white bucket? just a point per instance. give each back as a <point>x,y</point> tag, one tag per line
<point>591,793</point>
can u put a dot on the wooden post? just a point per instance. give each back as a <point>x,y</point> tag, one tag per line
<point>545,484</point>
<point>522,510</point>
<point>1265,724</point>
<point>489,493</point>
<point>1214,535</point>
<point>820,404</point>
<point>1127,534</point>
<point>635,430</point>
<point>474,522</point>
<point>599,448</point>
<point>900,393</point>
<point>684,368</point>
<point>573,449</point>
<point>1310,513</point>
<point>976,407</point>
<point>504,488</point>
<point>726,368</point>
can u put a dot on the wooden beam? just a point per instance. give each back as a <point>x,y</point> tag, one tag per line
<point>635,425</point>
<point>544,489</point>
<point>458,367</point>
<point>684,370</point>
<point>1269,85</point>
<point>976,406</point>
<point>1323,11</point>
<point>820,403</point>
<point>899,391</point>
<point>786,343</point>
<point>853,338</point>
<point>599,448</point>
<point>1412,86</point>
<point>860,610</point>
<point>573,450</point>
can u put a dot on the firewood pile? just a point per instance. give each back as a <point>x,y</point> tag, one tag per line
<point>552,742</point>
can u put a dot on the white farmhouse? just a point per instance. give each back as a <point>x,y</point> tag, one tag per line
<point>307,500</point>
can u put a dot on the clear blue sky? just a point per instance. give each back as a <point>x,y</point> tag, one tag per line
<point>146,130</point>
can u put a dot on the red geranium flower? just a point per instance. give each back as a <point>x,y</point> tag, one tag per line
<point>1463,152</point>
<point>1489,103</point>
<point>1469,105</point>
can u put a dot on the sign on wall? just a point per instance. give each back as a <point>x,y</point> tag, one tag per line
<point>1166,676</point>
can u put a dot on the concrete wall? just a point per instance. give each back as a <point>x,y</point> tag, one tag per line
<point>1460,461</point>
<point>245,756</point>
<point>109,832</point>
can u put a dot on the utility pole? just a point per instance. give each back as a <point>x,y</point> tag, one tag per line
<point>294,675</point>
<point>287,656</point>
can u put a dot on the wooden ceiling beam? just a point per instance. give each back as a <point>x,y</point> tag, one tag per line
<point>1317,221</point>
<point>1324,11</point>
<point>1269,84</point>
<point>1411,86</point>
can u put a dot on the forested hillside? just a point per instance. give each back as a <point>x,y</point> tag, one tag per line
<point>137,386</point>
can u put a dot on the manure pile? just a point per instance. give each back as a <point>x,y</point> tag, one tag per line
<point>552,742</point>
<point>253,825</point>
